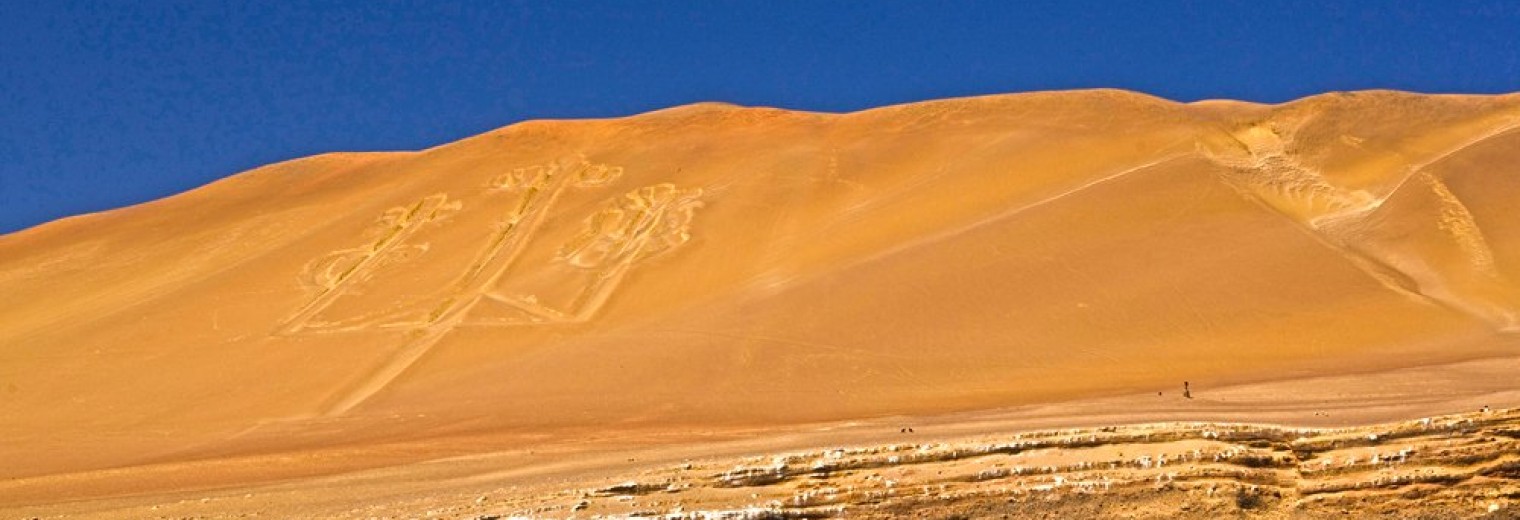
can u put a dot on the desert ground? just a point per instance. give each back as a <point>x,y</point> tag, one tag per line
<point>715,310</point>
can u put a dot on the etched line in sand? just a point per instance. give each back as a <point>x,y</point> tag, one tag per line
<point>643,223</point>
<point>502,247</point>
<point>537,188</point>
<point>534,188</point>
<point>334,272</point>
<point>1468,143</point>
<point>540,188</point>
<point>1000,216</point>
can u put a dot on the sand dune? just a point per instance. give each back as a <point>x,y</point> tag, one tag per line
<point>715,268</point>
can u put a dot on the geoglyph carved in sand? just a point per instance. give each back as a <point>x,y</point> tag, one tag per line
<point>334,272</point>
<point>584,274</point>
<point>531,193</point>
<point>627,230</point>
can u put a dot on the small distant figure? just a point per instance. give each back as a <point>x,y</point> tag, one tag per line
<point>910,430</point>
<point>1158,394</point>
<point>1186,392</point>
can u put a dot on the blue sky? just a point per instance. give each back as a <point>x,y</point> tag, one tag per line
<point>105,104</point>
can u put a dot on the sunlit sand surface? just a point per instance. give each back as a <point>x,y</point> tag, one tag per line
<point>519,322</point>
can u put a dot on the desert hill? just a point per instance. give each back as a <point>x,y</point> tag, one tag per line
<point>717,266</point>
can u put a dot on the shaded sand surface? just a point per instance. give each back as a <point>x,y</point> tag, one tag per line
<point>714,280</point>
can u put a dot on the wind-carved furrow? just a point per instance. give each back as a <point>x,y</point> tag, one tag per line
<point>1270,171</point>
<point>1345,219</point>
<point>1457,221</point>
<point>1213,469</point>
<point>1269,176</point>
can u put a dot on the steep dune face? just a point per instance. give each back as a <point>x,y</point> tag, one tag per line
<point>1362,170</point>
<point>713,265</point>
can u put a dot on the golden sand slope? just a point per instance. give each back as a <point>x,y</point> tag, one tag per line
<point>713,266</point>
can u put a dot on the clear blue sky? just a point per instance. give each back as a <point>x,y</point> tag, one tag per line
<point>105,104</point>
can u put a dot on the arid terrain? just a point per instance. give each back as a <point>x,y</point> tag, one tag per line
<point>717,310</point>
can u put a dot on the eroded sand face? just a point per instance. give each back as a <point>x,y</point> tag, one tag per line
<point>1450,466</point>
<point>715,270</point>
<point>1453,466</point>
